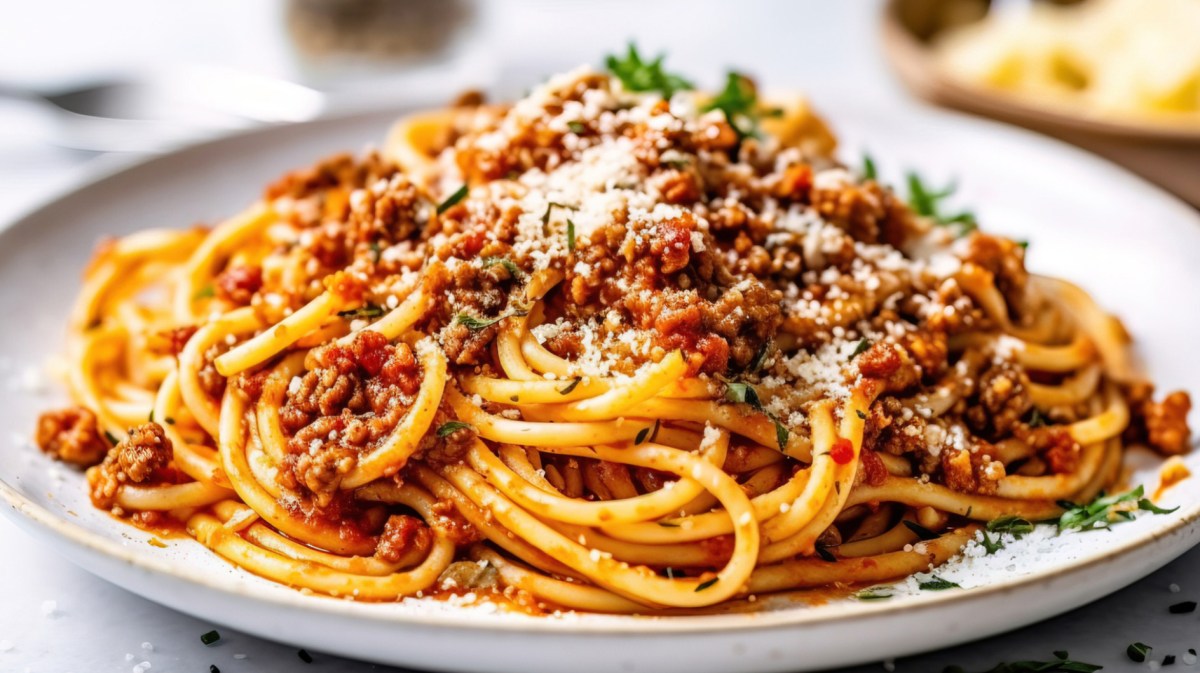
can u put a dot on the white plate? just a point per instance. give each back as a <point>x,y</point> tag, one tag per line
<point>1130,244</point>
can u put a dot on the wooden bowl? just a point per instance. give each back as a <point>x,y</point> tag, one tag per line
<point>1164,153</point>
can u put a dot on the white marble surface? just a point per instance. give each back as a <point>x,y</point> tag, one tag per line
<point>55,617</point>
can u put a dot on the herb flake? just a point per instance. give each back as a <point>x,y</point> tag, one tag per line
<point>210,637</point>
<point>1138,652</point>
<point>475,324</point>
<point>453,199</point>
<point>935,583</point>
<point>450,427</point>
<point>1101,513</point>
<point>706,584</point>
<point>637,74</point>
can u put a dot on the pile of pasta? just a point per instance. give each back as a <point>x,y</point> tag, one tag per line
<point>606,349</point>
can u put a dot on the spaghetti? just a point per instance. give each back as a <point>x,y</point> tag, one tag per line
<point>601,350</point>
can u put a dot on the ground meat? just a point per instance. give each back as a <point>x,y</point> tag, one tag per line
<point>72,436</point>
<point>868,212</point>
<point>1005,259</point>
<point>873,471</point>
<point>349,400</point>
<point>339,170</point>
<point>1163,425</point>
<point>210,379</point>
<point>401,534</point>
<point>133,460</point>
<point>1058,449</point>
<point>890,364</point>
<point>1002,402</point>
<point>237,284</point>
<point>971,472</point>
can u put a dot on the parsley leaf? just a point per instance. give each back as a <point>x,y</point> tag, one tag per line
<point>739,102</point>
<point>928,202</point>
<point>453,199</point>
<point>860,348</point>
<point>204,293</point>
<point>1100,513</point>
<point>566,390</point>
<point>637,74</point>
<point>475,324</point>
<point>706,584</point>
<point>508,264</point>
<point>1010,524</point>
<point>868,167</point>
<point>742,393</point>
<point>570,235</point>
<point>1061,664</point>
<point>450,427</point>
<point>1138,652</point>
<point>921,531</point>
<point>935,583</point>
<point>364,311</point>
<point>873,594</point>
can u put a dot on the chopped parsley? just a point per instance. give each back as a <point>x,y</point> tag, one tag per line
<point>935,583</point>
<point>475,324</point>
<point>551,206</point>
<point>204,292</point>
<point>706,584</point>
<point>570,235</point>
<point>210,637</point>
<point>450,427</point>
<point>760,355</point>
<point>637,74</point>
<point>1104,511</point>
<point>304,656</point>
<point>169,420</point>
<point>868,167</point>
<point>873,594</point>
<point>112,439</point>
<point>650,433</point>
<point>212,668</point>
<point>365,311</point>
<point>1138,652</point>
<point>744,393</point>
<point>566,390</point>
<point>453,199</point>
<point>929,202</point>
<point>1036,420</point>
<point>508,264</point>
<point>376,252</point>
<point>1010,524</point>
<point>738,101</point>
<point>668,524</point>
<point>576,127</point>
<point>860,348</point>
<point>860,414</point>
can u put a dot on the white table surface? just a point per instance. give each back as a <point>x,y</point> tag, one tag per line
<point>55,617</point>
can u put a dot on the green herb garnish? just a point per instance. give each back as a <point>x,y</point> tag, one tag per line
<point>566,390</point>
<point>576,127</point>
<point>204,292</point>
<point>935,583</point>
<point>928,202</point>
<point>868,167</point>
<point>739,103</point>
<point>650,433</point>
<point>1010,524</point>
<point>706,584</point>
<point>668,524</point>
<point>450,427</point>
<point>1036,420</point>
<point>825,554</point>
<point>112,439</point>
<point>570,235</point>
<point>873,594</point>
<point>781,433</point>
<point>860,348</point>
<point>304,656</point>
<point>475,324</point>
<point>365,311</point>
<point>742,393</point>
<point>639,75</point>
<point>453,199</point>
<point>860,414</point>
<point>508,264</point>
<point>210,637</point>
<point>1100,513</point>
<point>376,252</point>
<point>1138,652</point>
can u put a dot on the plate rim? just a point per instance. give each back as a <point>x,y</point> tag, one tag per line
<point>105,168</point>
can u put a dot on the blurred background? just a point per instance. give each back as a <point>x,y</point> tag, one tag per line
<point>80,80</point>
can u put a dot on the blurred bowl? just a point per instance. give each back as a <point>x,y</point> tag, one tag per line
<point>1164,153</point>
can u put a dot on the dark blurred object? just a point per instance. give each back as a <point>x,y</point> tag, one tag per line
<point>1168,156</point>
<point>376,29</point>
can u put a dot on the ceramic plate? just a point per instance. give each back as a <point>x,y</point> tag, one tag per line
<point>1128,243</point>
